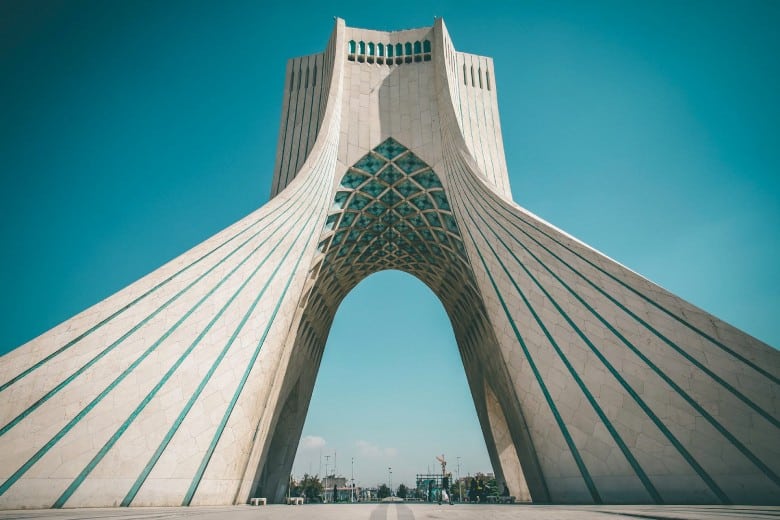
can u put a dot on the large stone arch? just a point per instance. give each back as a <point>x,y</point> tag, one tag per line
<point>391,211</point>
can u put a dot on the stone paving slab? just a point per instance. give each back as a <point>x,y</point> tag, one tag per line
<point>405,512</point>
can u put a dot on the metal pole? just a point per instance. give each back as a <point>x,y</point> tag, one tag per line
<point>325,484</point>
<point>352,494</point>
<point>460,484</point>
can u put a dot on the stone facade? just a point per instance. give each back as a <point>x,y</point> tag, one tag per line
<point>191,386</point>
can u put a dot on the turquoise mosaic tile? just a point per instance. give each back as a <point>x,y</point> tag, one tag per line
<point>363,221</point>
<point>391,175</point>
<point>347,219</point>
<point>427,179</point>
<point>422,202</point>
<point>331,221</point>
<point>378,227</point>
<point>340,198</point>
<point>407,188</point>
<point>377,208</point>
<point>410,163</point>
<point>390,148</point>
<point>373,188</point>
<point>353,179</point>
<point>370,163</point>
<point>450,223</point>
<point>404,209</point>
<point>359,201</point>
<point>440,199</point>
<point>390,218</point>
<point>433,219</point>
<point>417,221</point>
<point>390,197</point>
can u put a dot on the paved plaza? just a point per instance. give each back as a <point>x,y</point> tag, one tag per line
<point>405,512</point>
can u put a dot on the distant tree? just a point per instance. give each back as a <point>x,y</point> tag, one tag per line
<point>402,491</point>
<point>383,492</point>
<point>473,491</point>
<point>309,487</point>
<point>455,491</point>
<point>491,487</point>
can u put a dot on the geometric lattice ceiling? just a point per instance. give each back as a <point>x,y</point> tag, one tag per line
<point>391,212</point>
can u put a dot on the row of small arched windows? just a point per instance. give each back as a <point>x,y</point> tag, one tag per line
<point>380,53</point>
<point>476,79</point>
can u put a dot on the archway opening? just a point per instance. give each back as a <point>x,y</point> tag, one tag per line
<point>391,393</point>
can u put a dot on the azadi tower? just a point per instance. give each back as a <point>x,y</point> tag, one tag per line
<point>191,386</point>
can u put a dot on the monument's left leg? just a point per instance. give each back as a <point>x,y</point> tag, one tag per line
<point>153,396</point>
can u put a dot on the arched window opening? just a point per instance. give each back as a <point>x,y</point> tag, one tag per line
<point>399,49</point>
<point>361,51</point>
<point>487,78</point>
<point>389,50</point>
<point>479,75</point>
<point>408,52</point>
<point>380,49</point>
<point>417,47</point>
<point>352,46</point>
<point>371,49</point>
<point>427,46</point>
<point>472,77</point>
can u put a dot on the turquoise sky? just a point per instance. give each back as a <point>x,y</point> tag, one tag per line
<point>131,131</point>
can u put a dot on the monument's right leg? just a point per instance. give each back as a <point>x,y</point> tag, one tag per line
<point>629,393</point>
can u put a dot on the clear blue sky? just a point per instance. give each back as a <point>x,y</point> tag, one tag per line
<point>131,131</point>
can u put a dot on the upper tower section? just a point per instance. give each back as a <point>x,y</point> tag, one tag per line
<point>411,85</point>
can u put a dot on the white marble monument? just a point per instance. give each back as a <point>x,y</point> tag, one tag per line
<point>191,386</point>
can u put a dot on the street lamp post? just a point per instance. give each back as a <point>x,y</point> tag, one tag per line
<point>390,478</point>
<point>460,484</point>
<point>352,493</point>
<point>325,483</point>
